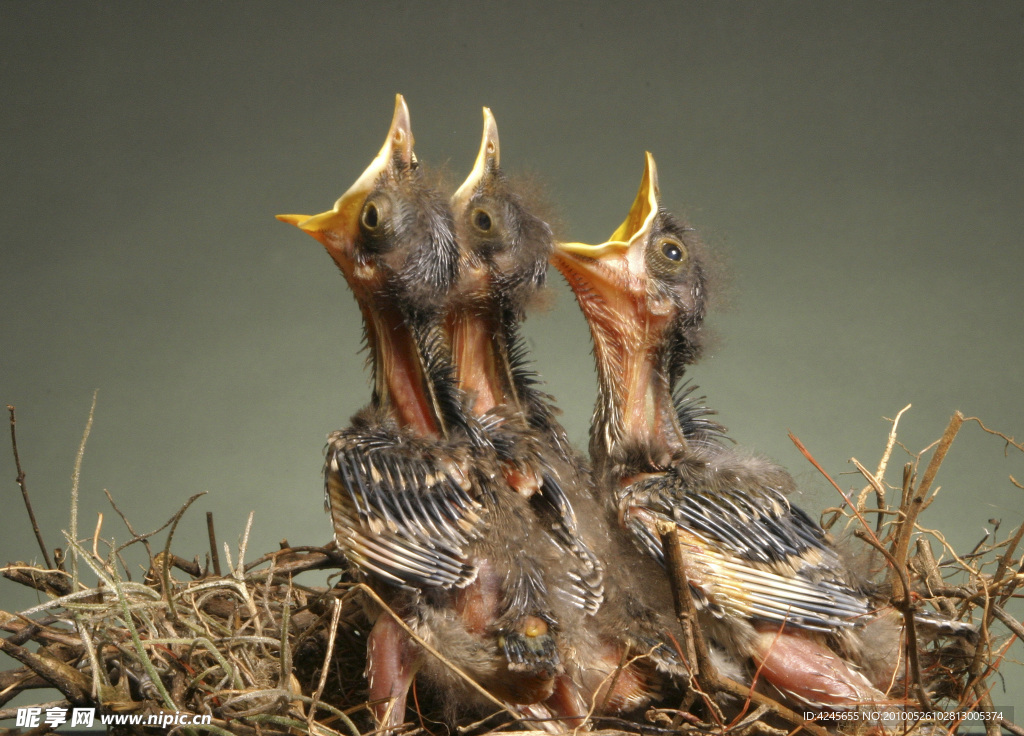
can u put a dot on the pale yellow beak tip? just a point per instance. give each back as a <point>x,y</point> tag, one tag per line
<point>651,173</point>
<point>487,158</point>
<point>400,135</point>
<point>295,220</point>
<point>490,147</point>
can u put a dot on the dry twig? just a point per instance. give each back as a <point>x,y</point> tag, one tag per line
<point>20,480</point>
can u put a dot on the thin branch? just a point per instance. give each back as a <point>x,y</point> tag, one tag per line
<point>96,536</point>
<point>214,556</point>
<point>76,477</point>
<point>1011,727</point>
<point>25,629</point>
<point>875,480</point>
<point>11,713</point>
<point>929,572</point>
<point>144,537</point>
<point>810,458</point>
<point>1009,621</point>
<point>20,480</point>
<point>889,444</point>
<point>876,484</point>
<point>913,506</point>
<point>57,582</point>
<point>165,559</point>
<point>239,573</point>
<point>1007,560</point>
<point>696,650</point>
<point>331,636</point>
<point>906,606</point>
<point>1010,441</point>
<point>136,537</point>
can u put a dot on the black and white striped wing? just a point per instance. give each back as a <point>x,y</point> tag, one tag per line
<point>752,555</point>
<point>401,515</point>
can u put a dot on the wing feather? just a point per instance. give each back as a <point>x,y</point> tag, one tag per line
<point>749,554</point>
<point>398,512</point>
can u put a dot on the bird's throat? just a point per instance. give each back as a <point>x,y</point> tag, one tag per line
<point>635,407</point>
<point>399,377</point>
<point>480,367</point>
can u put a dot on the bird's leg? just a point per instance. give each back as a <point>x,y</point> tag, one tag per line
<point>613,686</point>
<point>807,669</point>
<point>709,680</point>
<point>567,702</point>
<point>564,709</point>
<point>391,663</point>
<point>477,603</point>
<point>523,482</point>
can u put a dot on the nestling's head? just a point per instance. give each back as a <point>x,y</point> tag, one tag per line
<point>504,247</point>
<point>391,232</point>
<point>646,285</point>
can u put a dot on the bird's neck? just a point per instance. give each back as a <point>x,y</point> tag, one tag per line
<point>635,427</point>
<point>406,364</point>
<point>480,343</point>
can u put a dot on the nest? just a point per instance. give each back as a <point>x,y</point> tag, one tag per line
<point>253,650</point>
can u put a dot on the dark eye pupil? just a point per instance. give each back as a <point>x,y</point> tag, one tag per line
<point>482,220</point>
<point>672,251</point>
<point>370,216</point>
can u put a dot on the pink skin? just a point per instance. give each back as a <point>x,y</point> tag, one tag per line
<point>391,664</point>
<point>617,296</point>
<point>477,371</point>
<point>809,671</point>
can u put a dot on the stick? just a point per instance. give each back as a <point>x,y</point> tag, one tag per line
<point>1007,559</point>
<point>929,571</point>
<point>331,636</point>
<point>213,544</point>
<point>697,654</point>
<point>47,581</point>
<point>905,527</point>
<point>72,683</point>
<point>24,491</point>
<point>810,458</point>
<point>165,559</point>
<point>906,607</point>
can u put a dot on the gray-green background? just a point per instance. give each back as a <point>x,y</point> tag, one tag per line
<point>860,164</point>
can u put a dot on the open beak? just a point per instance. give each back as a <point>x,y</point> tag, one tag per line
<point>616,265</point>
<point>487,160</point>
<point>336,228</point>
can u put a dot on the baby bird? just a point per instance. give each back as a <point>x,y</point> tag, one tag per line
<point>771,589</point>
<point>418,505</point>
<point>505,250</point>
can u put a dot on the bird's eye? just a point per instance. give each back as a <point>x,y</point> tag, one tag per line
<point>482,221</point>
<point>672,250</point>
<point>370,217</point>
